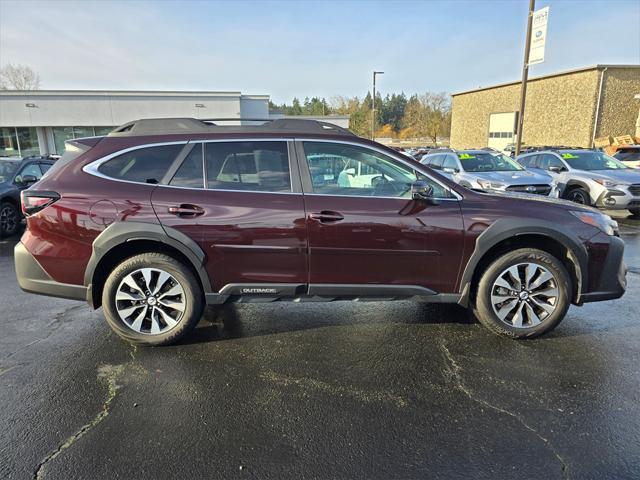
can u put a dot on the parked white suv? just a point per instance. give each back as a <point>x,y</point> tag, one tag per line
<point>589,177</point>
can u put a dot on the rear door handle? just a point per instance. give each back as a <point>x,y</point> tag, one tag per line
<point>326,216</point>
<point>186,210</point>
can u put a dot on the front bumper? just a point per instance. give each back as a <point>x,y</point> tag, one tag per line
<point>618,199</point>
<point>33,279</point>
<point>613,280</point>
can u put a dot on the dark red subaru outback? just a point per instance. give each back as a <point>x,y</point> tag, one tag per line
<point>162,216</point>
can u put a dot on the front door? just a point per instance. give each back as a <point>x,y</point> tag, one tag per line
<point>247,209</point>
<point>365,230</point>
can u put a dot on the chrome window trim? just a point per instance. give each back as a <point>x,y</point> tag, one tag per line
<point>92,168</point>
<point>400,160</point>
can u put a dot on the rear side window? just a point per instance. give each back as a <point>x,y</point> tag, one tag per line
<point>190,174</point>
<point>250,166</point>
<point>144,165</point>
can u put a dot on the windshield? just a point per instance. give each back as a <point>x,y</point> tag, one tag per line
<point>7,169</point>
<point>628,155</point>
<point>590,160</point>
<point>487,162</point>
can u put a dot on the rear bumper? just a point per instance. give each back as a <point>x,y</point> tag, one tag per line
<point>613,280</point>
<point>33,279</point>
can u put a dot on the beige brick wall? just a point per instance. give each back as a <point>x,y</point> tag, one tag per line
<point>559,111</point>
<point>618,108</point>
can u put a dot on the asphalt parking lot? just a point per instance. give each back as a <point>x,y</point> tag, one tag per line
<point>342,390</point>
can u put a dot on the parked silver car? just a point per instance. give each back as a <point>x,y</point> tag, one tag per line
<point>589,177</point>
<point>490,171</point>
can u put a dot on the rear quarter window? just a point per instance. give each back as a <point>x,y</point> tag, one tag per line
<point>144,165</point>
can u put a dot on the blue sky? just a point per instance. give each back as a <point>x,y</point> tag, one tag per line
<point>299,48</point>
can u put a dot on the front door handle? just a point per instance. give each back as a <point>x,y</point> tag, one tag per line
<point>186,210</point>
<point>326,216</point>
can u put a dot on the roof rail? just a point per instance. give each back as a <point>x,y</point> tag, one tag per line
<point>166,126</point>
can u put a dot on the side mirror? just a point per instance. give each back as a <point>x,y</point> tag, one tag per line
<point>26,181</point>
<point>350,171</point>
<point>556,169</point>
<point>450,170</point>
<point>421,190</point>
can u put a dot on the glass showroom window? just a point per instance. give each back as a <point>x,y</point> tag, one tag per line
<point>28,141</point>
<point>62,134</point>
<point>8,143</point>
<point>18,142</point>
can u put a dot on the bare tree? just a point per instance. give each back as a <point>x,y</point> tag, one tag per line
<point>438,114</point>
<point>18,77</point>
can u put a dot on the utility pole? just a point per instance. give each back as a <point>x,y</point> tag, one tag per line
<point>373,106</point>
<point>525,75</point>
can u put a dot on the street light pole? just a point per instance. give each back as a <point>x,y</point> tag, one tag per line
<point>525,75</point>
<point>373,106</point>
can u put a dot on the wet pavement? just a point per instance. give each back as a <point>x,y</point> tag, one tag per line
<point>342,390</point>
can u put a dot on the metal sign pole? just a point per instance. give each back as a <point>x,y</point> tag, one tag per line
<point>525,75</point>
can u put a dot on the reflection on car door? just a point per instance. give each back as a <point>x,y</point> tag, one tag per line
<point>250,217</point>
<point>376,234</point>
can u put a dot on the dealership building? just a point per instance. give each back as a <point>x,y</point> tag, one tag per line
<point>40,121</point>
<point>569,108</point>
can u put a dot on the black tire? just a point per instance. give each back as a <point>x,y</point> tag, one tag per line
<point>193,298</point>
<point>578,195</point>
<point>635,212</point>
<point>9,219</point>
<point>484,310</point>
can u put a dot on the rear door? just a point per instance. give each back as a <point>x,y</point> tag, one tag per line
<point>243,199</point>
<point>367,233</point>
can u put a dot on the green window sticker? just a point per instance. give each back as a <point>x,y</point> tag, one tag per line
<point>569,155</point>
<point>466,156</point>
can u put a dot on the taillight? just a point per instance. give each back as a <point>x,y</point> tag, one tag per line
<point>33,201</point>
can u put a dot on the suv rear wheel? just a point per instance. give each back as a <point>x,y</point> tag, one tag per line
<point>523,294</point>
<point>152,299</point>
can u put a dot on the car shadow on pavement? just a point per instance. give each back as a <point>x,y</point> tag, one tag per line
<point>243,321</point>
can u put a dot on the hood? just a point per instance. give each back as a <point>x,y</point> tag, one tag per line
<point>626,176</point>
<point>549,201</point>
<point>516,177</point>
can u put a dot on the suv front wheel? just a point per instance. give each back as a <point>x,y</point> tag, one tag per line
<point>152,299</point>
<point>523,294</point>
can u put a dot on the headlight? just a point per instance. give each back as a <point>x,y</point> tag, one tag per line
<point>603,222</point>
<point>609,183</point>
<point>487,185</point>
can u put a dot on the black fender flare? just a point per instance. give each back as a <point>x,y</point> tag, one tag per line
<point>505,228</point>
<point>119,233</point>
<point>576,183</point>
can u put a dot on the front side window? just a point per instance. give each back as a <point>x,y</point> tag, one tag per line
<point>547,161</point>
<point>436,163</point>
<point>340,169</point>
<point>144,165</point>
<point>250,166</point>
<point>32,170</point>
<point>450,162</point>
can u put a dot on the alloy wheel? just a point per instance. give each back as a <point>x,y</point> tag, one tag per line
<point>578,196</point>
<point>525,295</point>
<point>8,219</point>
<point>150,301</point>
